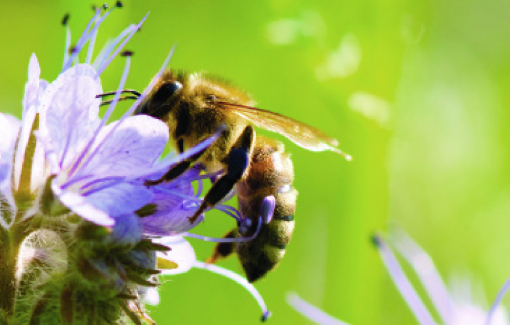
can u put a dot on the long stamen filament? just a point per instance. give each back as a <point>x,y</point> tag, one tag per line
<point>238,279</point>
<point>105,64</point>
<point>311,312</point>
<point>227,240</point>
<point>83,39</point>
<point>422,264</point>
<point>497,301</point>
<point>89,145</point>
<point>402,283</point>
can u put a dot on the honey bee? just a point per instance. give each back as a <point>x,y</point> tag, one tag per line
<point>194,106</point>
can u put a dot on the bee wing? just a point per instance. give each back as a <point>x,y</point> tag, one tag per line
<point>300,133</point>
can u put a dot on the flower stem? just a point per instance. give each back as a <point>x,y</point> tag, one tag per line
<point>8,260</point>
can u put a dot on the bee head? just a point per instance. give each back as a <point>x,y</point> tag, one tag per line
<point>159,103</point>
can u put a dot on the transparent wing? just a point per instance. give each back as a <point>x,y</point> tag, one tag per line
<point>300,133</point>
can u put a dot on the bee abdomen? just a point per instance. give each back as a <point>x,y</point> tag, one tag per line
<point>271,173</point>
<point>263,253</point>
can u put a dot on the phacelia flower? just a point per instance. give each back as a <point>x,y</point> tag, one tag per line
<point>82,238</point>
<point>452,309</point>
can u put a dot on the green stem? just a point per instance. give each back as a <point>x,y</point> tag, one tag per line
<point>8,260</point>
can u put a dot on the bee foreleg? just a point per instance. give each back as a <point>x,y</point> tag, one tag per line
<point>237,162</point>
<point>176,170</point>
<point>224,249</point>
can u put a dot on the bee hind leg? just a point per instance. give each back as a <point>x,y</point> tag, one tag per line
<point>237,162</point>
<point>223,249</point>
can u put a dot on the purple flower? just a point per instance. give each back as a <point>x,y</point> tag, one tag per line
<point>452,309</point>
<point>80,222</point>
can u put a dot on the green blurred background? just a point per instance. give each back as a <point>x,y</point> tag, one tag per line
<point>416,91</point>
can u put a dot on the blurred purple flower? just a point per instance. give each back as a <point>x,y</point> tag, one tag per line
<point>452,309</point>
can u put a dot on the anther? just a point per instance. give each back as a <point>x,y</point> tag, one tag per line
<point>127,53</point>
<point>265,316</point>
<point>65,20</point>
<point>267,208</point>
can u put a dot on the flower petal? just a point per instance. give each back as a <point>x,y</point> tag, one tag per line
<point>79,205</point>
<point>128,148</point>
<point>9,129</point>
<point>32,87</point>
<point>9,126</point>
<point>173,211</point>
<point>69,112</point>
<point>182,254</point>
<point>126,232</point>
<point>120,199</point>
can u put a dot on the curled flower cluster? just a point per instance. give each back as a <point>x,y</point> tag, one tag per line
<point>82,239</point>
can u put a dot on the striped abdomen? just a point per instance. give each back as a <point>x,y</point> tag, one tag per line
<point>270,173</point>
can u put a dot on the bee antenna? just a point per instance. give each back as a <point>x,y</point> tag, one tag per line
<point>106,102</point>
<point>129,91</point>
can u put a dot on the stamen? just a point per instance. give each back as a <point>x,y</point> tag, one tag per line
<point>167,162</point>
<point>121,46</point>
<point>105,118</point>
<point>247,222</point>
<point>108,48</point>
<point>240,280</point>
<point>200,187</point>
<point>92,43</point>
<point>65,21</point>
<point>402,282</point>
<point>81,41</point>
<point>229,209</point>
<point>497,301</point>
<point>427,273</point>
<point>151,84</point>
<point>117,93</point>
<point>177,193</point>
<point>227,240</point>
<point>133,107</point>
<point>107,182</point>
<point>311,312</point>
<point>225,210</point>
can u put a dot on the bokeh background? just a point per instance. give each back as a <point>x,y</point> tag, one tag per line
<point>416,91</point>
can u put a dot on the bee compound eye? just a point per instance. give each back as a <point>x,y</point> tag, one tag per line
<point>167,90</point>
